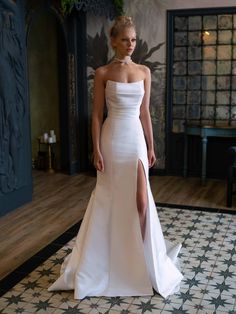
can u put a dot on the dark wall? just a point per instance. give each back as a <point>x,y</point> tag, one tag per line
<point>58,91</point>
<point>15,156</point>
<point>43,68</point>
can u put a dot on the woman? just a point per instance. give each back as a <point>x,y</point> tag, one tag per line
<point>120,249</point>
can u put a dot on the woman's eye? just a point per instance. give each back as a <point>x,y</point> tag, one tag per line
<point>126,39</point>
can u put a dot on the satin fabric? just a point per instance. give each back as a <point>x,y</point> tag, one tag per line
<point>110,257</point>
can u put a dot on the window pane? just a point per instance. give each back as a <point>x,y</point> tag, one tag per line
<point>225,21</point>
<point>195,22</point>
<point>209,22</point>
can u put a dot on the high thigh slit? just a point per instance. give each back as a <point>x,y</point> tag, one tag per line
<point>110,257</point>
<point>142,201</point>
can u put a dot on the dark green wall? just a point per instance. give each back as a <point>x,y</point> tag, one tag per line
<point>43,80</point>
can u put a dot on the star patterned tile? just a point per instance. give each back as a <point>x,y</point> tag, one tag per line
<point>207,260</point>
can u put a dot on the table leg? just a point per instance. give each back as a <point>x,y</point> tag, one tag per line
<point>50,169</point>
<point>204,154</point>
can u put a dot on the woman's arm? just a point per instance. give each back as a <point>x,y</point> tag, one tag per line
<point>146,118</point>
<point>97,118</point>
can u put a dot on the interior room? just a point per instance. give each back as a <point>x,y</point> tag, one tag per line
<point>50,50</point>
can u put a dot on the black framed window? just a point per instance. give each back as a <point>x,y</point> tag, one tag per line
<point>201,67</point>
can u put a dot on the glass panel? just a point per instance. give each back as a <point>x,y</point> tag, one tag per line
<point>195,22</point>
<point>180,68</point>
<point>234,37</point>
<point>234,52</point>
<point>224,52</point>
<point>179,97</point>
<point>209,52</point>
<point>178,126</point>
<point>181,23</point>
<point>209,37</point>
<point>194,97</point>
<point>180,83</point>
<point>195,38</point>
<point>233,67</point>
<point>222,113</point>
<point>208,112</point>
<point>223,67</point>
<point>194,82</point>
<point>194,67</point>
<point>180,53</point>
<point>208,82</point>
<point>209,22</point>
<point>234,20</point>
<point>194,53</point>
<point>225,37</point>
<point>208,67</point>
<point>225,21</point>
<point>181,38</point>
<point>193,112</point>
<point>223,98</point>
<point>223,82</point>
<point>233,98</point>
<point>178,112</point>
<point>208,98</point>
<point>233,82</point>
<point>233,113</point>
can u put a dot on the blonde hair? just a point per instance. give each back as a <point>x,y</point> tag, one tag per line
<point>120,23</point>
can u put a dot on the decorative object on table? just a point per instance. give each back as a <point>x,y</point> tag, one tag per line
<point>45,158</point>
<point>48,137</point>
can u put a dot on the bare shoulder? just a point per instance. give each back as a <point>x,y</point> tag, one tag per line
<point>145,70</point>
<point>101,72</point>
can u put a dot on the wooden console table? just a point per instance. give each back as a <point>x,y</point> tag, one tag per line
<point>48,155</point>
<point>204,131</point>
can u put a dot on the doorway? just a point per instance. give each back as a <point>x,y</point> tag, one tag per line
<point>45,47</point>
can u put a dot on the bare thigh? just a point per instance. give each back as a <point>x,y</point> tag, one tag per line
<point>141,189</point>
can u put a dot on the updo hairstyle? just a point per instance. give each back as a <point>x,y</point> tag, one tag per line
<point>120,23</point>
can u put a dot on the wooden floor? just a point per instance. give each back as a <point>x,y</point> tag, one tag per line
<point>59,201</point>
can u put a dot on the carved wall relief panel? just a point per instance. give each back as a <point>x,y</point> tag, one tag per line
<point>12,98</point>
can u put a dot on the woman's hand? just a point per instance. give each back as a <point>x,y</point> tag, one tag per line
<point>151,158</point>
<point>98,161</point>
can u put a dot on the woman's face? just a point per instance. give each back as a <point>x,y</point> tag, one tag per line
<point>124,43</point>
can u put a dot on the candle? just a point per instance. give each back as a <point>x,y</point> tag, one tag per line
<point>52,133</point>
<point>54,138</point>
<point>45,137</point>
<point>50,140</point>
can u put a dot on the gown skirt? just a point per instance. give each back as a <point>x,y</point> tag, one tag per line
<point>110,258</point>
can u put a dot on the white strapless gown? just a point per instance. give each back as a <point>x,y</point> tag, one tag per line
<point>110,257</point>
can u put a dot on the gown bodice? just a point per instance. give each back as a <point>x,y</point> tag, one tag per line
<point>123,100</point>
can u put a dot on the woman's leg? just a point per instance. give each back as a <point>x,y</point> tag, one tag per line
<point>142,199</point>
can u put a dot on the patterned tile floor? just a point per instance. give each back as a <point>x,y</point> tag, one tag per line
<point>207,259</point>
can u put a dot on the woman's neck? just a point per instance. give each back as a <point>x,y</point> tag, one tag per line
<point>123,59</point>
